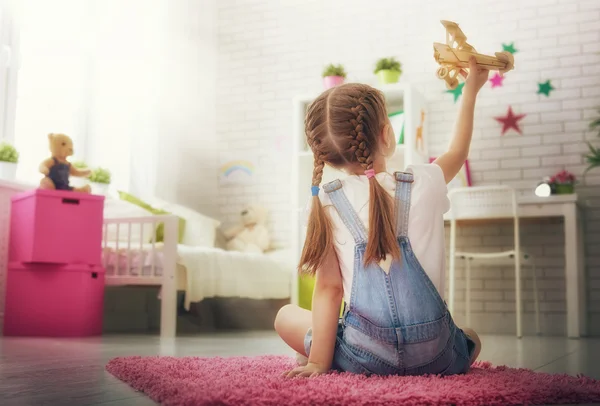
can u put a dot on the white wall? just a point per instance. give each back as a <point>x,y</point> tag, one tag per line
<point>270,51</point>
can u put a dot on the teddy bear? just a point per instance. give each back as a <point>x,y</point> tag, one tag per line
<point>251,235</point>
<point>57,169</point>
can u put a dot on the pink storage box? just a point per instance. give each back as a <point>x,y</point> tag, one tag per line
<point>54,300</point>
<point>56,226</point>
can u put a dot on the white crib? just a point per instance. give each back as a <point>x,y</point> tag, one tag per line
<point>127,263</point>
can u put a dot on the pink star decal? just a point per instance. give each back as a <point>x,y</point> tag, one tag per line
<point>510,121</point>
<point>496,80</point>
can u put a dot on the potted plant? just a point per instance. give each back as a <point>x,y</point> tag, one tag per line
<point>9,157</point>
<point>100,179</point>
<point>333,75</point>
<point>563,183</point>
<point>388,70</point>
<point>593,158</point>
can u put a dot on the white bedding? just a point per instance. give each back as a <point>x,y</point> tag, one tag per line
<point>213,272</point>
<point>210,272</point>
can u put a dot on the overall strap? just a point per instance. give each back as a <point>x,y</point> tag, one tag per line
<point>404,182</point>
<point>346,211</point>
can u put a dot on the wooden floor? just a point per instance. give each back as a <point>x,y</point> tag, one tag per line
<point>71,371</point>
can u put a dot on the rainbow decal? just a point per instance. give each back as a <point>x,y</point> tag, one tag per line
<point>231,167</point>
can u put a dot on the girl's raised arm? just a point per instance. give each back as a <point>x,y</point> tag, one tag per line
<point>452,161</point>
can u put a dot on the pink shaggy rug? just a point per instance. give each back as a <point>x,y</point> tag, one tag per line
<point>257,381</point>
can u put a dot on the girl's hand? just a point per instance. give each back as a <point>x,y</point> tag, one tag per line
<point>309,370</point>
<point>476,78</point>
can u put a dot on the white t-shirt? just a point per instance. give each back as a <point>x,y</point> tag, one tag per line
<point>429,202</point>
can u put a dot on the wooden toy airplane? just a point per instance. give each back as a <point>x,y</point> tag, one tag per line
<point>455,53</point>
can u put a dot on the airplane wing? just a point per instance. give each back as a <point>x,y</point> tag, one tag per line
<point>454,31</point>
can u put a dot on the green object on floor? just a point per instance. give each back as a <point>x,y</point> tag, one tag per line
<point>306,286</point>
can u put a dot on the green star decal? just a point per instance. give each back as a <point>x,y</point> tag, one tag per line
<point>545,88</point>
<point>509,48</point>
<point>456,92</point>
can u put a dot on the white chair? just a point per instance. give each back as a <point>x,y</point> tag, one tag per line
<point>480,203</point>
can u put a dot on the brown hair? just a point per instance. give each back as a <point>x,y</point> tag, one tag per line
<point>342,128</point>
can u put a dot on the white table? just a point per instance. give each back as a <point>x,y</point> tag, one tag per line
<point>567,207</point>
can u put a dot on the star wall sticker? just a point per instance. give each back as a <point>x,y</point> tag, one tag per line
<point>509,48</point>
<point>457,92</point>
<point>510,121</point>
<point>496,80</point>
<point>545,88</point>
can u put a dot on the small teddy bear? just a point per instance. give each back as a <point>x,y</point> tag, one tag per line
<point>57,169</point>
<point>252,234</point>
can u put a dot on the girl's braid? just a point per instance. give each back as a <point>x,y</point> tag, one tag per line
<point>358,142</point>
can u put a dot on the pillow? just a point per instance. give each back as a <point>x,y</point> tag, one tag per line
<point>160,229</point>
<point>122,209</point>
<point>200,230</point>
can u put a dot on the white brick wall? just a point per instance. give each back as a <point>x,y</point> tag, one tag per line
<point>270,51</point>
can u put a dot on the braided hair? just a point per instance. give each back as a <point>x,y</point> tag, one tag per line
<point>342,128</point>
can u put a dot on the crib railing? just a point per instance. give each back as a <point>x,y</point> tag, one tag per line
<point>115,229</point>
<point>127,239</point>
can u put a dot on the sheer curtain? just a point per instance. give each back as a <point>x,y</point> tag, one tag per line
<point>52,79</point>
<point>90,69</point>
<point>8,71</point>
<point>123,105</point>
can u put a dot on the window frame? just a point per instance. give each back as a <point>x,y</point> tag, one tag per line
<point>9,68</point>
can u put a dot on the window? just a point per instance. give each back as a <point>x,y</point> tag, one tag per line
<point>52,81</point>
<point>91,70</point>
<point>8,73</point>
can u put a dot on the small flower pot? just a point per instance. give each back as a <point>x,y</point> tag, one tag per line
<point>386,76</point>
<point>564,189</point>
<point>8,170</point>
<point>99,188</point>
<point>331,81</point>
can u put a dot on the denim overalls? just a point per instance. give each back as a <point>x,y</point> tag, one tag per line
<point>59,173</point>
<point>395,323</point>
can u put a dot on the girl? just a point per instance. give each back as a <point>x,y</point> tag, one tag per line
<point>377,242</point>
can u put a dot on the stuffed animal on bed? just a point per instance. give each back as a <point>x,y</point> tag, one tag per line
<point>251,235</point>
<point>57,169</point>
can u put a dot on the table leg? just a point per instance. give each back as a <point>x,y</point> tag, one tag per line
<point>581,270</point>
<point>574,273</point>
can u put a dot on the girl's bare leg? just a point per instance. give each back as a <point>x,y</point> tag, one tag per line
<point>292,324</point>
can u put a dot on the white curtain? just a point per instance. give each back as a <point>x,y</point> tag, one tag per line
<point>52,79</point>
<point>90,69</point>
<point>127,39</point>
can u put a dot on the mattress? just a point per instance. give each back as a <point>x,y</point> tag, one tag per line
<point>213,272</point>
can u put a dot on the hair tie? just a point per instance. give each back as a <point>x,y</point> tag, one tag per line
<point>314,190</point>
<point>370,173</point>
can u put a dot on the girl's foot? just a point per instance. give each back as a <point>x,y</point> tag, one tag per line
<point>301,360</point>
